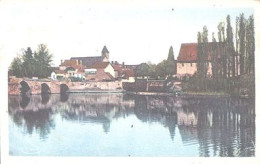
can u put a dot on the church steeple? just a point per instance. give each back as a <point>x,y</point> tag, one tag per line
<point>105,53</point>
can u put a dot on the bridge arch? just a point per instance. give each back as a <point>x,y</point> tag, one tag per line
<point>45,89</point>
<point>63,88</point>
<point>24,88</point>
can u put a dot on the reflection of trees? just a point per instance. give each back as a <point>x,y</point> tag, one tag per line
<point>157,109</point>
<point>221,126</point>
<point>40,120</point>
<point>33,113</point>
<point>225,125</point>
<point>24,101</point>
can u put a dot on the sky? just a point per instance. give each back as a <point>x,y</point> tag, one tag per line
<point>133,32</point>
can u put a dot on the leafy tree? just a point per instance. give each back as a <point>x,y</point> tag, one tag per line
<point>16,67</point>
<point>143,70</point>
<point>199,55</point>
<point>237,42</point>
<point>162,69</point>
<point>242,42</point>
<point>28,62</point>
<point>250,45</point>
<point>230,49</point>
<point>43,61</point>
<point>214,57</point>
<point>37,64</point>
<point>205,51</point>
<point>170,63</point>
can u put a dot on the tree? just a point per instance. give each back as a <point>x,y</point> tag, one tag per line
<point>204,52</point>
<point>28,62</point>
<point>143,70</point>
<point>37,64</point>
<point>170,63</point>
<point>230,49</point>
<point>199,55</point>
<point>16,67</point>
<point>237,41</point>
<point>161,69</point>
<point>241,42</point>
<point>250,45</point>
<point>214,57</point>
<point>43,61</point>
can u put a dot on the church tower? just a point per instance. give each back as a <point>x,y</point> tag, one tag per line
<point>105,54</point>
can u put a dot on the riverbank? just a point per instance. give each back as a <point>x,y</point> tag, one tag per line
<point>95,91</point>
<point>205,94</point>
<point>222,94</point>
<point>152,93</point>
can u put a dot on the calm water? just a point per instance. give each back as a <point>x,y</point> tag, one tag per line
<point>130,125</point>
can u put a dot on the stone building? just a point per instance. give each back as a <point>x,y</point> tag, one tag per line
<point>188,58</point>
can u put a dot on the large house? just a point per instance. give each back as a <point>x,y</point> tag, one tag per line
<point>124,72</point>
<point>100,71</point>
<point>188,58</point>
<point>68,69</point>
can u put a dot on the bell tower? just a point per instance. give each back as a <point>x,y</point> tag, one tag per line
<point>105,54</point>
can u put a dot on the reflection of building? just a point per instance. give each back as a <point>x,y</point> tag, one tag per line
<point>187,119</point>
<point>221,126</point>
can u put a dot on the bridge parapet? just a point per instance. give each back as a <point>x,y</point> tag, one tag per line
<point>36,86</point>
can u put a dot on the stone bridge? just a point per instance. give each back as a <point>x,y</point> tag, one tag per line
<point>17,86</point>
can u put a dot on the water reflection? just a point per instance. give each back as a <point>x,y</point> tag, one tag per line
<point>220,126</point>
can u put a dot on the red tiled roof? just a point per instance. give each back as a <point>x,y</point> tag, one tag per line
<point>188,51</point>
<point>100,65</point>
<point>100,76</point>
<point>69,63</point>
<point>129,73</point>
<point>60,72</point>
<point>117,68</point>
<point>80,68</point>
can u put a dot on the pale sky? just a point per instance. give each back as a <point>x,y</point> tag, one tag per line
<point>133,32</point>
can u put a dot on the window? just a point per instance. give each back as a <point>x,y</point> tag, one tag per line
<point>191,64</point>
<point>182,64</point>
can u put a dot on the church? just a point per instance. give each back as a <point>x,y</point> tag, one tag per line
<point>91,60</point>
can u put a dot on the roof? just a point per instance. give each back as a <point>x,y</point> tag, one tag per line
<point>100,65</point>
<point>60,72</point>
<point>100,75</point>
<point>89,61</point>
<point>129,73</point>
<point>80,68</point>
<point>188,51</point>
<point>117,68</point>
<point>69,62</point>
<point>104,50</point>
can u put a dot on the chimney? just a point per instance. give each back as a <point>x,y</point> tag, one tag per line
<point>61,61</point>
<point>123,63</point>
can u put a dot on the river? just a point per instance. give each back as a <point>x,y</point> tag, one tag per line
<point>130,125</point>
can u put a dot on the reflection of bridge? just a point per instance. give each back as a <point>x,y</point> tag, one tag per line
<point>20,85</point>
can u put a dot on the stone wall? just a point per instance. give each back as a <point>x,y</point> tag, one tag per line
<point>145,86</point>
<point>113,85</point>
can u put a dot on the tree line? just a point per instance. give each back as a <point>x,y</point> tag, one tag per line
<point>32,64</point>
<point>162,70</point>
<point>231,58</point>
